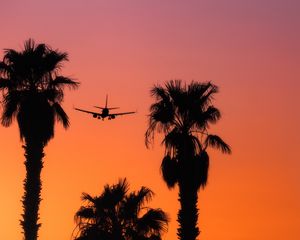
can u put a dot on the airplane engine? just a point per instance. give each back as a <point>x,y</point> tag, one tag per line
<point>94,115</point>
<point>112,116</point>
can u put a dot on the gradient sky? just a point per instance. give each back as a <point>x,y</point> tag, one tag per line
<point>250,49</point>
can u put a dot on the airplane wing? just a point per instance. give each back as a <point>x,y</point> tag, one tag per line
<point>119,114</point>
<point>94,113</point>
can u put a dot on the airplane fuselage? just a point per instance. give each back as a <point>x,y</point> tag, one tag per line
<point>105,112</point>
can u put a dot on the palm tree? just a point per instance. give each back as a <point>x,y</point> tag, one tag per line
<point>183,114</point>
<point>119,215</point>
<point>32,93</point>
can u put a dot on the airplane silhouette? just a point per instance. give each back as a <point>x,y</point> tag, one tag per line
<point>105,112</point>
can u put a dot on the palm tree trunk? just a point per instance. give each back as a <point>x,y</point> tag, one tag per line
<point>188,192</point>
<point>32,189</point>
<point>188,213</point>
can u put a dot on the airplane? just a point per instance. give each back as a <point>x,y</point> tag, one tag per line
<point>105,112</point>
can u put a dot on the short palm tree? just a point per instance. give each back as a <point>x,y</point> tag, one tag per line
<point>119,215</point>
<point>32,93</point>
<point>183,114</point>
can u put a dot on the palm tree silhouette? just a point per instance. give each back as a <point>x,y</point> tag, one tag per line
<point>183,113</point>
<point>119,215</point>
<point>32,93</point>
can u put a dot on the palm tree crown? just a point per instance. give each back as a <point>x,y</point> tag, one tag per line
<point>33,90</point>
<point>119,215</point>
<point>183,113</point>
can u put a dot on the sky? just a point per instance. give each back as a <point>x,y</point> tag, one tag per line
<point>250,49</point>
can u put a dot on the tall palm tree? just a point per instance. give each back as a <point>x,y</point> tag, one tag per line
<point>183,114</point>
<point>32,93</point>
<point>119,215</point>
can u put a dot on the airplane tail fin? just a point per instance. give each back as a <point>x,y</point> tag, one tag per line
<point>106,102</point>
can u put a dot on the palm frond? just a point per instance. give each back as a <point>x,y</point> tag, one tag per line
<point>61,81</point>
<point>113,195</point>
<point>5,83</point>
<point>169,171</point>
<point>177,94</point>
<point>60,115</point>
<point>162,112</point>
<point>133,203</point>
<point>174,88</point>
<point>208,95</point>
<point>196,144</point>
<point>153,221</point>
<point>216,142</point>
<point>4,68</point>
<point>40,50</point>
<point>84,213</point>
<point>54,94</point>
<point>172,140</point>
<point>210,115</point>
<point>11,102</point>
<point>176,139</point>
<point>53,60</point>
<point>87,197</point>
<point>11,56</point>
<point>29,45</point>
<point>143,195</point>
<point>152,127</point>
<point>197,89</point>
<point>159,93</point>
<point>201,169</point>
<point>121,187</point>
<point>149,134</point>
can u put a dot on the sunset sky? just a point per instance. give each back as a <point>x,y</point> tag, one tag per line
<point>250,49</point>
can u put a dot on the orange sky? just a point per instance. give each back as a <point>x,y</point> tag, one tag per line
<point>250,49</point>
